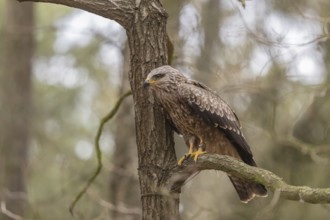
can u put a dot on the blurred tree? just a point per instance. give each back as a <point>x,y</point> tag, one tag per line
<point>313,127</point>
<point>207,61</point>
<point>15,99</point>
<point>173,28</point>
<point>124,188</point>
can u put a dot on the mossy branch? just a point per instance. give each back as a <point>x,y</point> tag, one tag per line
<point>98,151</point>
<point>234,167</point>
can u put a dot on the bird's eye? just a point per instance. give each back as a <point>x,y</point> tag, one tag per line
<point>158,76</point>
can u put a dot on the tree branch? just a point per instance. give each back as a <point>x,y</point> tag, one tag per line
<point>104,120</point>
<point>312,151</point>
<point>234,167</point>
<point>5,211</point>
<point>120,11</point>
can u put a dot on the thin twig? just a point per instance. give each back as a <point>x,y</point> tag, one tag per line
<point>308,149</point>
<point>98,149</point>
<point>122,209</point>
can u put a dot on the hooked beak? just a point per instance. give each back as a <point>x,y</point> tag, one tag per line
<point>146,84</point>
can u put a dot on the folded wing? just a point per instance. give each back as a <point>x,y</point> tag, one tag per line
<point>216,112</point>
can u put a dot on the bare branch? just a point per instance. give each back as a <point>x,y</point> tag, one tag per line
<point>117,10</point>
<point>121,208</point>
<point>240,169</point>
<point>243,2</point>
<point>13,195</point>
<point>308,149</point>
<point>5,211</point>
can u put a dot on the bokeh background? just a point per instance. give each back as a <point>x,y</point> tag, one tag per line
<point>62,71</point>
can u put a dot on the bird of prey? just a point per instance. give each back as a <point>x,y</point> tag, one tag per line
<point>205,121</point>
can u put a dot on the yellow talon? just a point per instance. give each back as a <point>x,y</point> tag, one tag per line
<point>197,153</point>
<point>190,152</point>
<point>193,154</point>
<point>182,159</point>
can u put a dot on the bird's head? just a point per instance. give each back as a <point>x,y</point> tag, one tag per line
<point>162,76</point>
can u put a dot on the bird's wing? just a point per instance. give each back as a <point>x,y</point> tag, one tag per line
<point>216,112</point>
<point>171,123</point>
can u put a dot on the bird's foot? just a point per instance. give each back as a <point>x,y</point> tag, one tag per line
<point>184,157</point>
<point>191,154</point>
<point>180,161</point>
<point>197,153</point>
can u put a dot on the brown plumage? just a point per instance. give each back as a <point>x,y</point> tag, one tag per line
<point>204,120</point>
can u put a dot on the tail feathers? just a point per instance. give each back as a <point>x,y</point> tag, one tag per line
<point>247,190</point>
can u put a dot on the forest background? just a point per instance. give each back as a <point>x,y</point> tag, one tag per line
<point>270,61</point>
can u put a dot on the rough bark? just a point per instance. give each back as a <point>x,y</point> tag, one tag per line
<point>148,46</point>
<point>15,99</point>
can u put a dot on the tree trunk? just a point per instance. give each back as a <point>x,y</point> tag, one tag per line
<point>207,61</point>
<point>15,99</point>
<point>145,24</point>
<point>317,115</point>
<point>148,45</point>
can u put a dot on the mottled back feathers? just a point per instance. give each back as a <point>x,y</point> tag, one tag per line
<point>216,112</point>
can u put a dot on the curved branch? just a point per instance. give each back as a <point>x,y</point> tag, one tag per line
<point>307,149</point>
<point>120,11</point>
<point>234,167</point>
<point>104,120</point>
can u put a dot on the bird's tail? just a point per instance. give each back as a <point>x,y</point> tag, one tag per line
<point>247,190</point>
